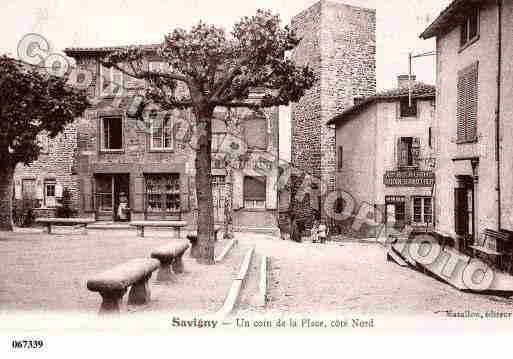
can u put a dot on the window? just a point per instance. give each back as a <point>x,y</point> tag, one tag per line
<point>408,151</point>
<point>340,157</point>
<point>422,210</point>
<point>43,142</point>
<point>467,104</point>
<point>218,139</point>
<point>111,81</point>
<point>470,28</point>
<point>430,137</point>
<point>163,193</point>
<point>112,137</point>
<point>255,132</point>
<point>254,192</point>
<point>162,134</point>
<point>405,109</point>
<point>50,194</point>
<point>28,189</point>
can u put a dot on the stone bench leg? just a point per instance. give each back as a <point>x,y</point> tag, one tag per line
<point>178,264</point>
<point>140,292</point>
<point>49,228</point>
<point>140,231</point>
<point>165,274</point>
<point>111,301</point>
<point>177,233</point>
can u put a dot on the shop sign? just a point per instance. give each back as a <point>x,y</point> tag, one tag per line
<point>409,178</point>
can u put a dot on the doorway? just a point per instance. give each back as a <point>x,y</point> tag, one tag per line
<point>395,212</point>
<point>110,190</point>
<point>464,207</point>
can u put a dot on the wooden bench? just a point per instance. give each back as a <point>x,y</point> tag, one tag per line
<point>503,242</point>
<point>177,225</point>
<point>169,255</point>
<point>49,222</point>
<point>193,239</point>
<point>113,284</point>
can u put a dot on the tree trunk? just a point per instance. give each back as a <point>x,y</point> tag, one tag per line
<point>6,188</point>
<point>206,240</point>
<point>228,204</point>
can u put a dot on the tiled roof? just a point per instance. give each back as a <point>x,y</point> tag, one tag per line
<point>450,17</point>
<point>419,91</point>
<point>70,51</point>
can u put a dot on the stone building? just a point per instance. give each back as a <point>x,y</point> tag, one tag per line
<point>339,42</point>
<point>107,157</point>
<point>385,154</point>
<point>474,110</point>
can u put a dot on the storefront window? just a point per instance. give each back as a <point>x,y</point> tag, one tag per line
<point>422,210</point>
<point>163,193</point>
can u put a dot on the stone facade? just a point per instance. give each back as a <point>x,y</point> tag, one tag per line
<point>105,157</point>
<point>54,166</point>
<point>338,42</point>
<point>473,165</point>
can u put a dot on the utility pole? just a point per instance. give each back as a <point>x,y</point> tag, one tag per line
<point>411,56</point>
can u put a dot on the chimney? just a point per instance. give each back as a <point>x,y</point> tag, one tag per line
<point>402,80</point>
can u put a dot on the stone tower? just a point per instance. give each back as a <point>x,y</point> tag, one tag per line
<point>339,42</point>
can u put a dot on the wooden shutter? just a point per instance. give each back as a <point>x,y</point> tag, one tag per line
<point>402,153</point>
<point>467,104</point>
<point>415,149</point>
<point>340,157</point>
<point>184,193</point>
<point>460,211</point>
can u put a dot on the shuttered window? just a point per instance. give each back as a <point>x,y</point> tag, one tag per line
<point>340,157</point>
<point>467,103</point>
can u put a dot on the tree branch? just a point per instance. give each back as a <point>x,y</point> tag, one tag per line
<point>144,75</point>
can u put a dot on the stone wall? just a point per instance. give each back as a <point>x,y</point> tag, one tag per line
<point>339,42</point>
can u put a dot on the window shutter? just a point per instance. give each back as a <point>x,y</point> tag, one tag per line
<point>467,105</point>
<point>415,149</point>
<point>402,155</point>
<point>460,211</point>
<point>184,193</point>
<point>339,157</point>
<point>472,84</point>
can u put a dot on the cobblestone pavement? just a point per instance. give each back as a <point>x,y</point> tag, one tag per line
<point>356,278</point>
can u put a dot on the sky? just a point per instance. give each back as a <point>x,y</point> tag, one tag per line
<point>68,23</point>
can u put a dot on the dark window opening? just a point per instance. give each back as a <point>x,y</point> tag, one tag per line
<point>254,192</point>
<point>112,133</point>
<point>469,27</point>
<point>408,151</point>
<point>407,110</point>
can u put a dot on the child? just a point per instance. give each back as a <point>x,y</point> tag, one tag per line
<point>314,231</point>
<point>322,232</point>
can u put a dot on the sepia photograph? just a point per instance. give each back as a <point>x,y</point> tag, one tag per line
<point>302,167</point>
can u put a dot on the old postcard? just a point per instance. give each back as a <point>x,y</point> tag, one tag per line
<point>309,167</point>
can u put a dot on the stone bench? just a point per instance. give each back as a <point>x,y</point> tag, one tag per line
<point>49,222</point>
<point>176,225</point>
<point>169,255</point>
<point>193,239</point>
<point>113,284</point>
